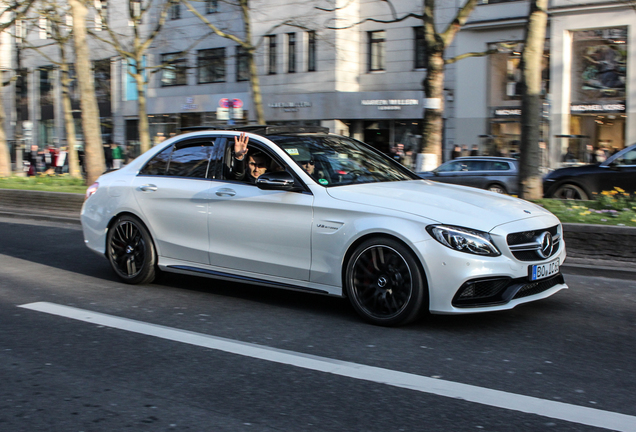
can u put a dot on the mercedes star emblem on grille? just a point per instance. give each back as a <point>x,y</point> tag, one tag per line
<point>547,244</point>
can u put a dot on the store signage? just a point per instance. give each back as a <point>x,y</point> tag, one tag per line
<point>389,104</point>
<point>617,107</point>
<point>189,105</point>
<point>507,112</point>
<point>290,106</point>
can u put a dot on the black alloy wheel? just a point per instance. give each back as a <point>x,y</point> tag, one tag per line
<point>384,282</point>
<point>131,251</point>
<point>570,191</point>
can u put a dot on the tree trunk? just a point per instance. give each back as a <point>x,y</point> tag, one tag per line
<point>93,150</point>
<point>256,90</point>
<point>5,155</point>
<point>433,115</point>
<point>530,182</point>
<point>144,134</point>
<point>69,124</point>
<point>255,83</point>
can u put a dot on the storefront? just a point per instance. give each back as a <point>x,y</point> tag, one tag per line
<point>389,121</point>
<point>598,94</point>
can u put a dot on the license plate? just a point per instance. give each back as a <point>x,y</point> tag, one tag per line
<point>542,271</point>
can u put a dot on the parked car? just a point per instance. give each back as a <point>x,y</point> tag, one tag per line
<point>332,216</point>
<point>581,182</point>
<point>496,174</point>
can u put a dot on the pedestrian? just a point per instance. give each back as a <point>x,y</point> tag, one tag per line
<point>117,155</point>
<point>108,157</point>
<point>60,161</point>
<point>475,150</point>
<point>465,151</point>
<point>457,152</point>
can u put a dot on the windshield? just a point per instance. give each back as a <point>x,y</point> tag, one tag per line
<point>335,160</point>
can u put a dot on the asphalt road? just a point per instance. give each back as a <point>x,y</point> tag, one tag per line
<point>193,354</point>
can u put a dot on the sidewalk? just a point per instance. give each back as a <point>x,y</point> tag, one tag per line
<point>589,246</point>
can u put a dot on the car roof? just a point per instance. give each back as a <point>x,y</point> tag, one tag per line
<point>260,129</point>
<point>495,158</point>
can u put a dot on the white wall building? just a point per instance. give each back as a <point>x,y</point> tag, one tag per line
<point>364,81</point>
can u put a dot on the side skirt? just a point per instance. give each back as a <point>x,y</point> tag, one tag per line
<point>237,278</point>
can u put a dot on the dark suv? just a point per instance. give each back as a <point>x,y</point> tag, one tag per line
<point>497,174</point>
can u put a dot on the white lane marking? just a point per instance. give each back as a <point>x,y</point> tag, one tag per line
<point>480,395</point>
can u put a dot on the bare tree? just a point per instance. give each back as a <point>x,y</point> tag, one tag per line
<point>436,44</point>
<point>15,11</point>
<point>244,41</point>
<point>62,36</point>
<point>530,183</point>
<point>132,44</point>
<point>94,154</point>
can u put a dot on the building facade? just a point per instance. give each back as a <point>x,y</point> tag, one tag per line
<point>589,74</point>
<point>340,68</point>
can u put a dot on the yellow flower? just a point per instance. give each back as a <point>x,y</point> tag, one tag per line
<point>585,213</point>
<point>619,189</point>
<point>605,193</point>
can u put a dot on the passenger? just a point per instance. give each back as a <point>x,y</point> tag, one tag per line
<point>246,168</point>
<point>308,165</point>
<point>256,166</point>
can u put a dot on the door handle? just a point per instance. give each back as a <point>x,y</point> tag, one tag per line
<point>226,192</point>
<point>148,188</point>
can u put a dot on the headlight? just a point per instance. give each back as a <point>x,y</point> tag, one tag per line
<point>464,239</point>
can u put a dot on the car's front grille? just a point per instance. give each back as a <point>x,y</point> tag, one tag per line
<point>527,245</point>
<point>496,291</point>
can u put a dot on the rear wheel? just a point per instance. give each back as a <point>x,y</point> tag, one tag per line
<point>130,250</point>
<point>497,188</point>
<point>384,282</point>
<point>570,191</point>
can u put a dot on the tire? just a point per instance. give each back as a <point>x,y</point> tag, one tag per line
<point>384,283</point>
<point>130,250</point>
<point>570,191</point>
<point>497,188</point>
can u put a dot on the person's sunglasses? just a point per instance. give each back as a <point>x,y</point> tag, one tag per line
<point>310,162</point>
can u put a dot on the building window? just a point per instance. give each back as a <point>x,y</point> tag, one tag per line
<point>242,64</point>
<point>101,72</point>
<point>45,28</point>
<point>291,52</point>
<point>211,65</point>
<point>174,70</point>
<point>311,51</point>
<point>46,85</point>
<point>419,48</point>
<point>175,10</point>
<point>377,46</point>
<point>271,54</point>
<point>135,13</point>
<point>101,14</point>
<point>211,6</point>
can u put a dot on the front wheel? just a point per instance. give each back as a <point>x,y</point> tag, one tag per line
<point>570,191</point>
<point>130,250</point>
<point>384,282</point>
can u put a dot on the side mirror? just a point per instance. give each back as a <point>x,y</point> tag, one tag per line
<point>277,180</point>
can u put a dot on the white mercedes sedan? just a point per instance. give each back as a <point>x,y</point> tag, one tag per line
<point>302,209</point>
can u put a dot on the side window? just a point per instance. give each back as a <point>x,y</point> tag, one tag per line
<point>216,161</point>
<point>628,158</point>
<point>451,167</point>
<point>500,166</point>
<point>158,164</point>
<point>256,162</point>
<point>475,166</point>
<point>190,158</point>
